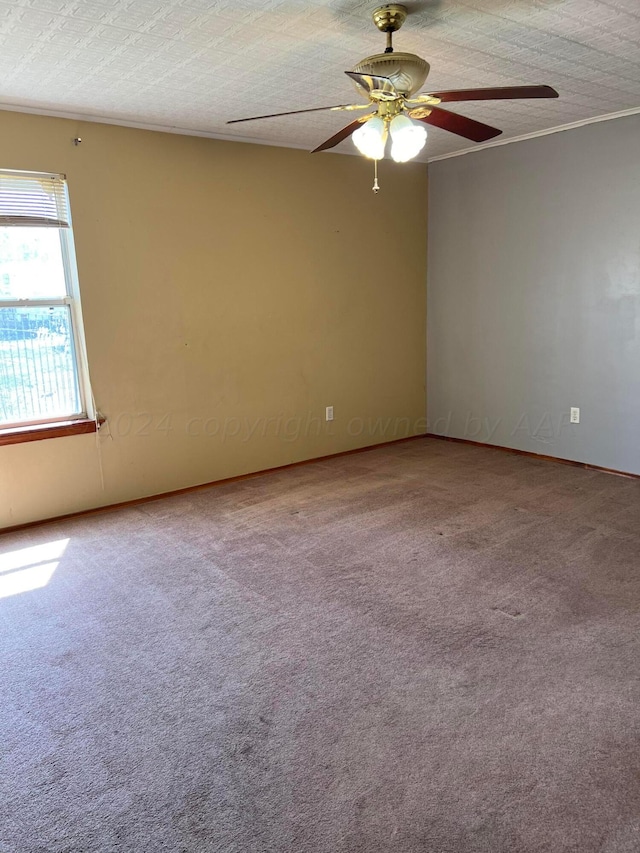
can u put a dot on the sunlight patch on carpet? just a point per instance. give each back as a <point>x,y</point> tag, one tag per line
<point>27,569</point>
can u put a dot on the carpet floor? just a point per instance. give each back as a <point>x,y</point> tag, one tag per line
<point>424,647</point>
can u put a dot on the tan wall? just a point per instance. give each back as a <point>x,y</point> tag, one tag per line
<point>225,284</point>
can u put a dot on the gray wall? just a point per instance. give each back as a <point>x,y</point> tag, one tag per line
<point>534,295</point>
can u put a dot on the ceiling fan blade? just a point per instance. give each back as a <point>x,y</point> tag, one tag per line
<point>370,82</point>
<point>496,94</point>
<point>463,126</point>
<point>339,136</point>
<point>296,112</point>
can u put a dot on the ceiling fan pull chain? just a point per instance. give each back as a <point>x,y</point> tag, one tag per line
<point>375,187</point>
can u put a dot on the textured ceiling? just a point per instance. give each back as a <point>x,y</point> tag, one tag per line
<point>193,64</point>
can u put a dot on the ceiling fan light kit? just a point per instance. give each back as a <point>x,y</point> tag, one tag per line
<point>407,138</point>
<point>370,138</point>
<point>391,83</point>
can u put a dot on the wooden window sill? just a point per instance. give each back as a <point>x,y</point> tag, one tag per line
<point>36,432</point>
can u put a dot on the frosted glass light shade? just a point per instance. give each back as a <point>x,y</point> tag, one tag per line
<point>370,139</point>
<point>407,139</point>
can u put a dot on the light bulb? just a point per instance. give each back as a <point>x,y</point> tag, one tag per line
<point>407,139</point>
<point>370,139</point>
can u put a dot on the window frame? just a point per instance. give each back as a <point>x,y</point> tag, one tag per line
<point>86,420</point>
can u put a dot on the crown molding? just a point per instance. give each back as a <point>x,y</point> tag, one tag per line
<point>536,133</point>
<point>140,125</point>
<point>170,128</point>
<point>222,137</point>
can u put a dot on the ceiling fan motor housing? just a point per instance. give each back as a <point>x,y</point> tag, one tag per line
<point>406,71</point>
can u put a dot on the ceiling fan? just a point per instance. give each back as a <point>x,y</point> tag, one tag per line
<point>390,82</point>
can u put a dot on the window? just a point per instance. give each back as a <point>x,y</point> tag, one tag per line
<point>43,369</point>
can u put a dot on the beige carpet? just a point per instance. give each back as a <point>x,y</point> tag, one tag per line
<point>427,647</point>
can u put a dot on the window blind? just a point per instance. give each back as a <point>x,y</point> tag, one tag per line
<point>30,199</point>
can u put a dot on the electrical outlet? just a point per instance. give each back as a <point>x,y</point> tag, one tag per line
<point>329,413</point>
<point>575,415</point>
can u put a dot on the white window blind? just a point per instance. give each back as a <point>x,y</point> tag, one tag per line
<point>30,199</point>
